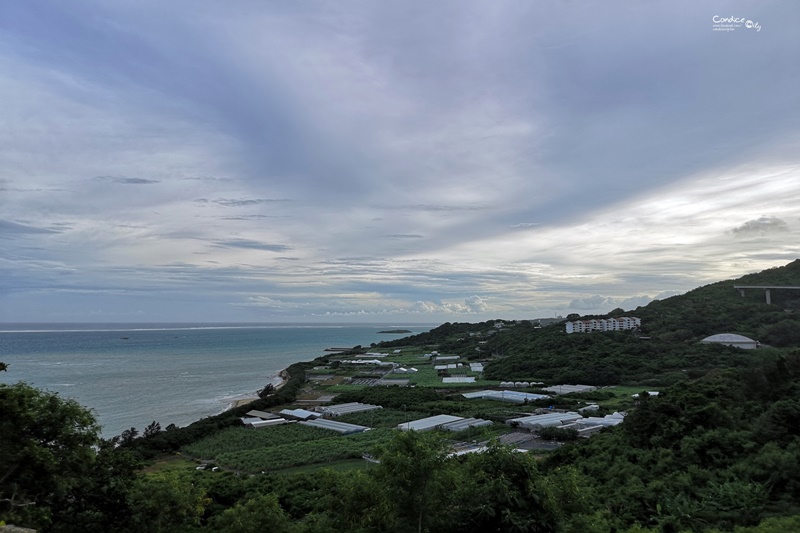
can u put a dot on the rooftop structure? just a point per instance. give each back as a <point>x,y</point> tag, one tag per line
<point>476,367</point>
<point>447,358</point>
<point>333,425</point>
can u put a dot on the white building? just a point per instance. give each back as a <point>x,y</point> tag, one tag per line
<point>603,324</point>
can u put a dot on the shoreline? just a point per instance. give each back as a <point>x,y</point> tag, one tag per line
<point>283,375</point>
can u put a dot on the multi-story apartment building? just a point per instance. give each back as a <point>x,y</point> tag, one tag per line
<point>603,324</point>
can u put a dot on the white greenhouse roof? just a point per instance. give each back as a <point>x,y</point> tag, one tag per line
<point>347,408</point>
<point>546,420</point>
<point>505,396</point>
<point>271,422</point>
<point>466,423</point>
<point>300,413</point>
<point>333,425</point>
<point>427,424</point>
<point>459,379</point>
<point>567,389</point>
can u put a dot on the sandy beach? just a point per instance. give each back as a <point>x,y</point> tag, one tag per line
<point>253,397</point>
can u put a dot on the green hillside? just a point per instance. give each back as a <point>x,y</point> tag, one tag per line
<point>666,350</point>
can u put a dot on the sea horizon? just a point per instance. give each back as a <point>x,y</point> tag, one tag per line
<point>131,374</point>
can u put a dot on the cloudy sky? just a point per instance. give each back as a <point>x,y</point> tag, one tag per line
<point>390,161</point>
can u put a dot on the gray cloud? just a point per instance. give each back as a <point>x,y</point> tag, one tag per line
<point>8,227</point>
<point>592,302</point>
<point>252,245</point>
<point>761,226</point>
<point>413,140</point>
<point>127,181</point>
<point>240,202</point>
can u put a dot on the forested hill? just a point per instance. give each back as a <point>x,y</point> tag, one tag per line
<point>665,351</point>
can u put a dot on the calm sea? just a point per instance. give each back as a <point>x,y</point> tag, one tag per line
<point>133,374</point>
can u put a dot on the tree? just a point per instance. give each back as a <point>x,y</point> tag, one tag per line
<point>268,389</point>
<point>46,453</point>
<point>127,436</point>
<point>165,502</point>
<point>262,513</point>
<point>152,429</point>
<point>411,468</point>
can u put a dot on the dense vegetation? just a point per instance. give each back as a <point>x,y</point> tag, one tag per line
<point>717,450</point>
<point>666,350</point>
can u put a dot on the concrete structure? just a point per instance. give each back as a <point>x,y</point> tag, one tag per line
<point>428,424</point>
<point>476,367</point>
<point>332,411</point>
<point>603,324</point>
<point>732,339</point>
<point>333,425</point>
<point>766,288</point>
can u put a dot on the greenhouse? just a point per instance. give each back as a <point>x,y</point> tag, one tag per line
<point>341,427</point>
<point>332,411</point>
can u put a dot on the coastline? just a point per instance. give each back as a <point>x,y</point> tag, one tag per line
<point>283,375</point>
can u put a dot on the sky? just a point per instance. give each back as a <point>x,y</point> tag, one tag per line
<point>390,162</point>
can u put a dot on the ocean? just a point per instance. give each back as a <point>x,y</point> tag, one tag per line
<point>130,375</point>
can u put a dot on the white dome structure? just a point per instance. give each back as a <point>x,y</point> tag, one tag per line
<point>732,339</point>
